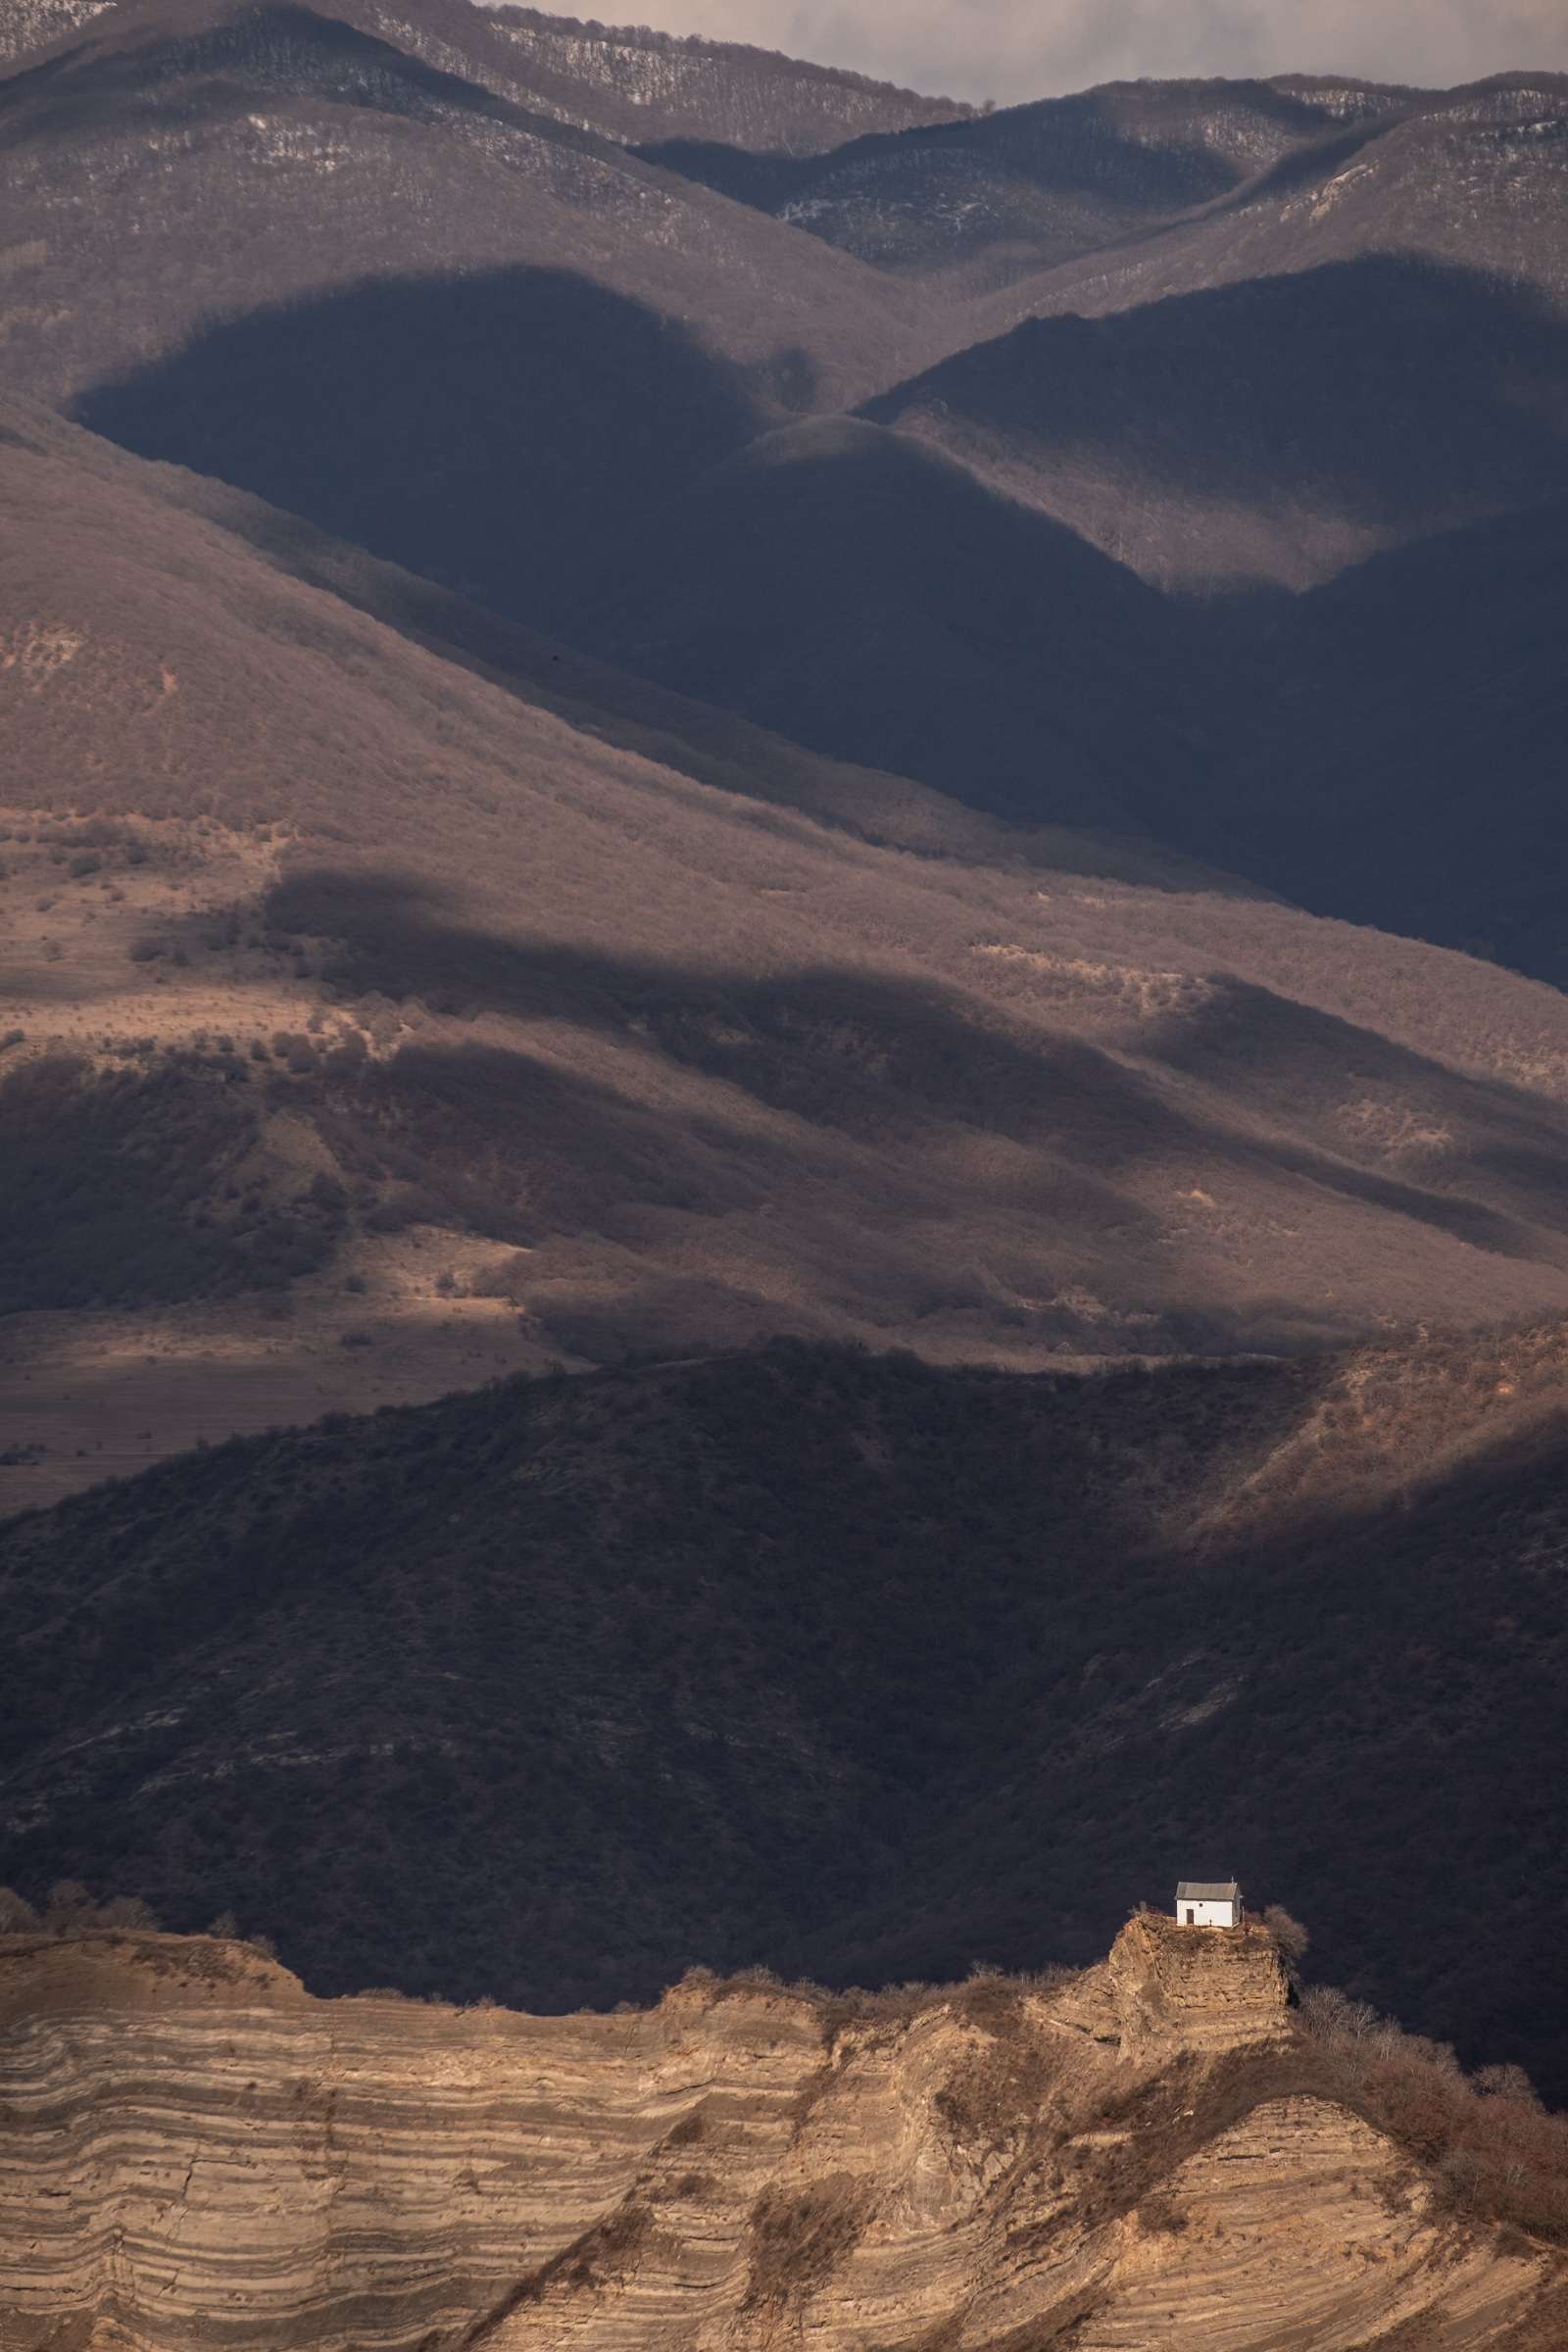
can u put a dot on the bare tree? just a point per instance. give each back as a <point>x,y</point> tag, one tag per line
<point>66,1906</point>
<point>126,1911</point>
<point>1333,2015</point>
<point>1507,2082</point>
<point>1288,1933</point>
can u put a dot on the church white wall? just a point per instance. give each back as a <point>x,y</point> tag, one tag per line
<point>1206,1915</point>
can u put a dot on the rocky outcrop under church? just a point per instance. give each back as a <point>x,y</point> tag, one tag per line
<point>1197,1988</point>
<point>195,2152</point>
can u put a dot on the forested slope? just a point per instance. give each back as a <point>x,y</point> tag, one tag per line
<point>833,1661</point>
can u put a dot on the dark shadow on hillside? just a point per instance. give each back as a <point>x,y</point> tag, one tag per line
<point>1408,770</point>
<point>106,1183</point>
<point>1393,390</point>
<point>501,432</point>
<point>713,746</point>
<point>861,1053</point>
<point>857,1051</point>
<point>840,585</point>
<point>1265,1051</point>
<point>1304,165</point>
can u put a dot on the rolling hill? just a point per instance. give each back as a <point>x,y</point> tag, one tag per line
<point>1410,770</point>
<point>908,617</point>
<point>984,203</point>
<point>1279,428</point>
<point>490,1024</point>
<point>1133,191</point>
<point>639,85</point>
<point>320,149</point>
<point>443,311</point>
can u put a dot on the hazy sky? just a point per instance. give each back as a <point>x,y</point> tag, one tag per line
<point>1014,49</point>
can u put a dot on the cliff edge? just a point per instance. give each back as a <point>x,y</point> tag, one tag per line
<point>1197,1988</point>
<point>194,2152</point>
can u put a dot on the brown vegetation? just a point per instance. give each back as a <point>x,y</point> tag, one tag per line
<point>1497,2154</point>
<point>799,2237</point>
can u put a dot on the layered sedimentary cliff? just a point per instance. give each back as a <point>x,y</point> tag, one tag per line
<point>1211,1988</point>
<point>193,2151</point>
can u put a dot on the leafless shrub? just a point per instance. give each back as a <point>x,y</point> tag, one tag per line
<point>1286,1932</point>
<point>1333,2015</point>
<point>798,2238</point>
<point>1496,2153</point>
<point>17,1915</point>
<point>68,1906</point>
<point>1160,2217</point>
<point>125,1911</point>
<point>1507,2082</point>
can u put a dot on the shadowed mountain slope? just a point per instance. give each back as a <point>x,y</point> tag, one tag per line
<point>544,1690</point>
<point>362,988</point>
<point>489,343</point>
<point>1411,770</point>
<point>1277,428</point>
<point>506,428</point>
<point>879,604</point>
<point>1389,749</point>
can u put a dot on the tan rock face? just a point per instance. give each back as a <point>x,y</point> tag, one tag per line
<point>1197,1988</point>
<point>195,2152</point>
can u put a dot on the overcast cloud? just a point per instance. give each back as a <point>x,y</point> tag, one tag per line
<point>1015,49</point>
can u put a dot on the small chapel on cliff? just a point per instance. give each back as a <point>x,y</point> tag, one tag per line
<point>1208,1903</point>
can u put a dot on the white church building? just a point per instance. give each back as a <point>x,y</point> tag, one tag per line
<point>1208,1903</point>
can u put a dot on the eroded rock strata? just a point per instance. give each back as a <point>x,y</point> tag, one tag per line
<point>194,2151</point>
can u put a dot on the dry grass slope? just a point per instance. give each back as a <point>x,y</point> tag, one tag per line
<point>621,1056</point>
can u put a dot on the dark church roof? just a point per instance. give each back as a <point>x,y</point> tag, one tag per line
<point>1206,1891</point>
